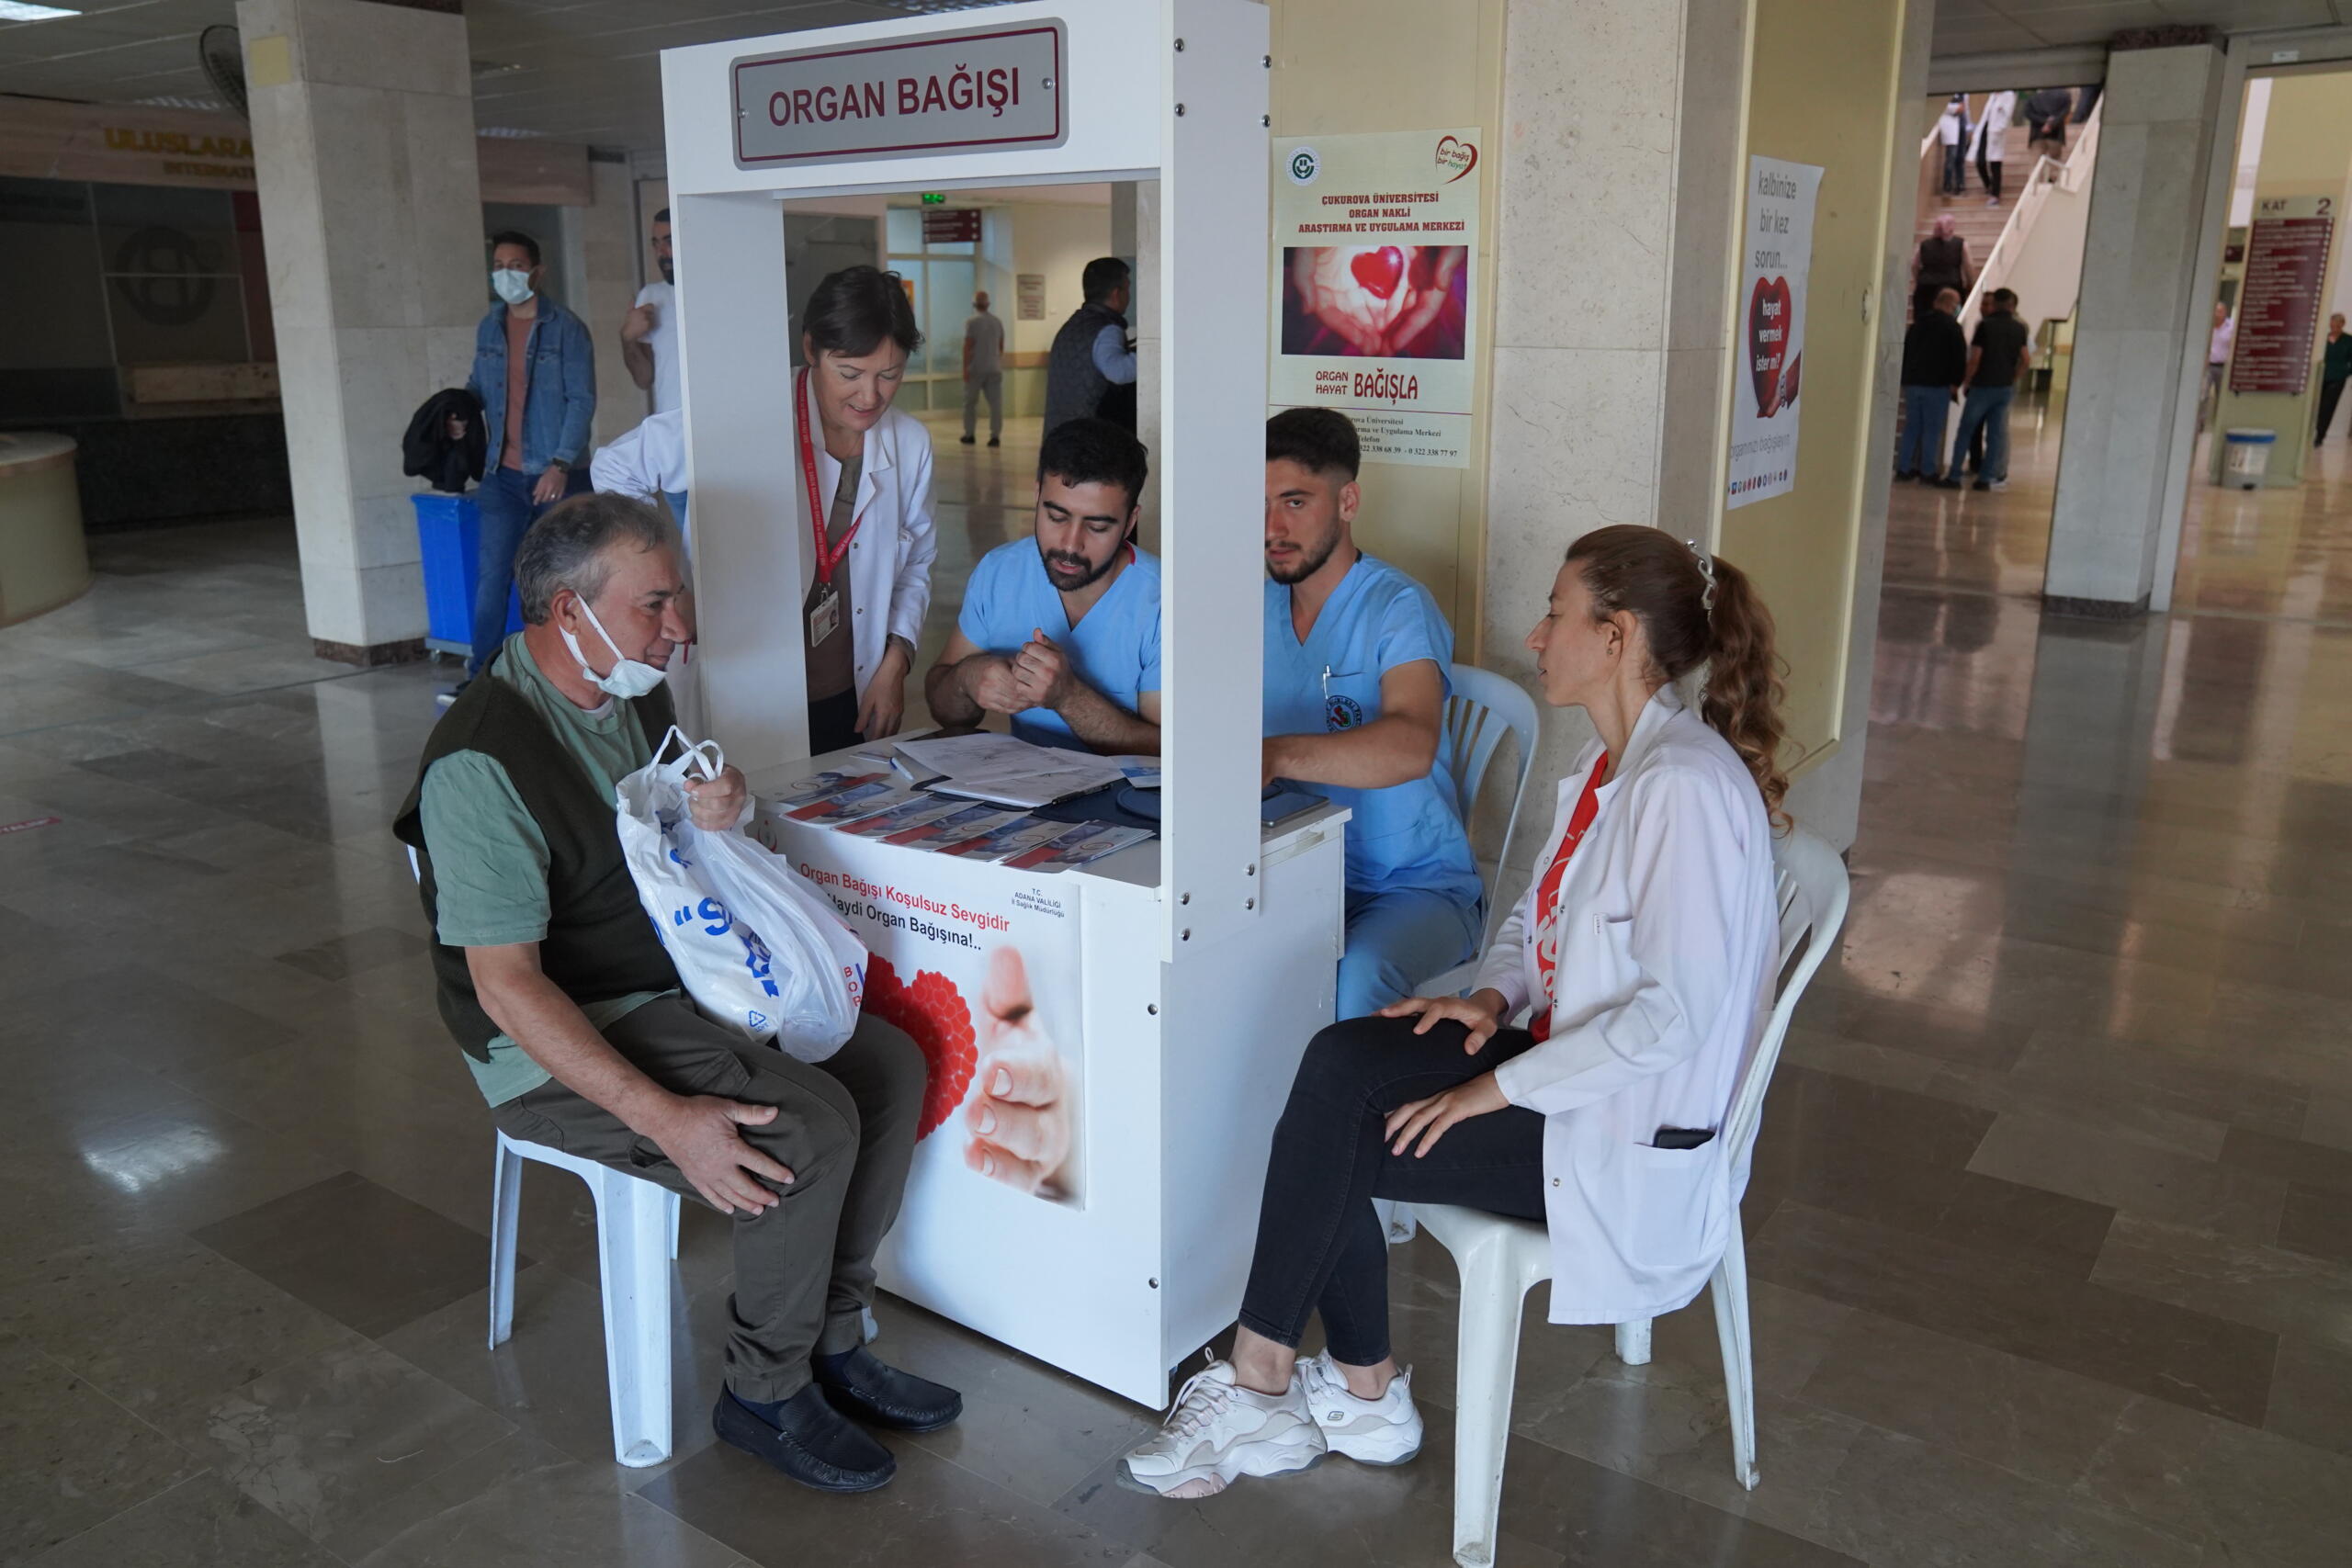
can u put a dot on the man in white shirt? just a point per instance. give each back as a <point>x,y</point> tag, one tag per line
<point>2217,359</point>
<point>1951,132</point>
<point>649,331</point>
<point>983,369</point>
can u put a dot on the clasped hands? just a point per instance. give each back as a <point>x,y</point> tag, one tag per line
<point>1039,676</point>
<point>1480,1014</point>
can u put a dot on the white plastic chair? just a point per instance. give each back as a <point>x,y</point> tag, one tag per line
<point>636,1237</point>
<point>1500,1258</point>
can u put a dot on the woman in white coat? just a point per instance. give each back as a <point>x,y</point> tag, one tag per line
<point>1644,949</point>
<point>864,469</point>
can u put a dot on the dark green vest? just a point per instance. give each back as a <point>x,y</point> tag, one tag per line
<point>600,944</point>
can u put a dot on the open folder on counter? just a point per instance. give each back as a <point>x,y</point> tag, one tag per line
<point>1003,770</point>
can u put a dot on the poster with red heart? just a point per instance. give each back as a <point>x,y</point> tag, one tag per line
<point>1778,254</point>
<point>1373,238</point>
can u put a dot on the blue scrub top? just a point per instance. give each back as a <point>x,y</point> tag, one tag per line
<point>1407,835</point>
<point>1115,648</point>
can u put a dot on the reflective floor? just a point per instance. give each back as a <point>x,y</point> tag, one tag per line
<point>2052,1221</point>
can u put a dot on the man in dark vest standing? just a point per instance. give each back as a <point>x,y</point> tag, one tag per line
<point>578,1031</point>
<point>1091,370</point>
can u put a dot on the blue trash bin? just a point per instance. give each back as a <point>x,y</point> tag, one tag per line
<point>448,542</point>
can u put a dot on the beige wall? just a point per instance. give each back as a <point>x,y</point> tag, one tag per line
<point>1057,239</point>
<point>1361,66</point>
<point>610,239</point>
<point>1801,548</point>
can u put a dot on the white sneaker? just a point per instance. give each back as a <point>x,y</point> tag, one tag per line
<point>1217,1431</point>
<point>1386,1430</point>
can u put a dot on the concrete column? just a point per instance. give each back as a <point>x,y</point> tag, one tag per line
<point>1135,222</point>
<point>371,210</point>
<point>2142,310</point>
<point>612,241</point>
<point>1620,177</point>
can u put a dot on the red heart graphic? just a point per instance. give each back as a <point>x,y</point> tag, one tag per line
<point>1768,340</point>
<point>1454,154</point>
<point>1378,270</point>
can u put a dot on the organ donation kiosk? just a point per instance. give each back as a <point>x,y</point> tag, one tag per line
<point>1162,996</point>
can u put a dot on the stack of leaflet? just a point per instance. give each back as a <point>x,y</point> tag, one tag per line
<point>1005,771</point>
<point>883,805</point>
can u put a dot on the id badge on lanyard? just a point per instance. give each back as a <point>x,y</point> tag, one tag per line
<point>825,603</point>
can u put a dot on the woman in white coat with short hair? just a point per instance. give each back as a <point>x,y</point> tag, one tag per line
<point>864,469</point>
<point>1646,949</point>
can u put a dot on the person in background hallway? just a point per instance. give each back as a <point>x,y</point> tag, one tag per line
<point>2217,360</point>
<point>1935,360</point>
<point>535,371</point>
<point>1995,356</point>
<point>2334,369</point>
<point>1951,133</point>
<point>1357,659</point>
<point>983,369</point>
<point>579,1034</point>
<point>1644,956</point>
<point>1091,369</point>
<point>649,343</point>
<point>1993,143</point>
<point>864,469</point>
<point>1939,263</point>
<point>2046,113</point>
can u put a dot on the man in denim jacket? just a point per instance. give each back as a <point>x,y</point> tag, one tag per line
<point>535,371</point>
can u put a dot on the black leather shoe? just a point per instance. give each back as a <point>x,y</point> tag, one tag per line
<point>862,1386</point>
<point>966,441</point>
<point>812,1442</point>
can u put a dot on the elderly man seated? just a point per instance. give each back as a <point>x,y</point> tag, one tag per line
<point>573,1017</point>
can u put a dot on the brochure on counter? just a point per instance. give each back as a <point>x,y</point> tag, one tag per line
<point>885,805</point>
<point>1006,772</point>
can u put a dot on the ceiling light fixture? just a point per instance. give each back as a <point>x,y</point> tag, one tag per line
<point>16,11</point>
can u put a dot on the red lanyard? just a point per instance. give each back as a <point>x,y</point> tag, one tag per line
<point>827,560</point>
<point>1547,895</point>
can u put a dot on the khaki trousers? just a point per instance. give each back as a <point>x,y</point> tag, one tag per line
<point>846,1127</point>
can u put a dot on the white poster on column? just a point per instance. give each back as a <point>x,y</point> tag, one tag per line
<point>1770,329</point>
<point>1372,239</point>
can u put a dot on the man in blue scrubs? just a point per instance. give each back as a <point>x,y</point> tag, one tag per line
<point>1062,631</point>
<point>1356,660</point>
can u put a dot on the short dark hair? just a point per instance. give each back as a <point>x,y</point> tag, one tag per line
<point>566,547</point>
<point>1321,440</point>
<point>517,237</point>
<point>1094,451</point>
<point>1102,274</point>
<point>663,216</point>
<point>855,310</point>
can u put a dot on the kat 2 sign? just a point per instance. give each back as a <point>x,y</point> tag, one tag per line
<point>1778,254</point>
<point>979,89</point>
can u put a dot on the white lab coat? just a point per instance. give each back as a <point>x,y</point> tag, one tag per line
<point>1999,110</point>
<point>889,559</point>
<point>642,462</point>
<point>1667,935</point>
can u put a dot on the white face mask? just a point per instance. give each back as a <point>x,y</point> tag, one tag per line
<point>630,677</point>
<point>510,286</point>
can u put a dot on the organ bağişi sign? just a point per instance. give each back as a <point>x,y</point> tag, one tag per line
<point>980,89</point>
<point>1777,253</point>
<point>1373,240</point>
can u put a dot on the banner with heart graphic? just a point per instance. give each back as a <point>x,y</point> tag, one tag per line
<point>1372,304</point>
<point>1778,254</point>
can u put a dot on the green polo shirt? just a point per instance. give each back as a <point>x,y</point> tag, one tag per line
<point>490,860</point>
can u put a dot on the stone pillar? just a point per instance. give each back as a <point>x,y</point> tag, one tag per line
<point>371,212</point>
<point>2142,311</point>
<point>1620,182</point>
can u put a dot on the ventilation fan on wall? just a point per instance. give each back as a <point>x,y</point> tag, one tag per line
<point>224,65</point>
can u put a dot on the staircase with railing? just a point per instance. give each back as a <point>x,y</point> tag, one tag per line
<point>2033,241</point>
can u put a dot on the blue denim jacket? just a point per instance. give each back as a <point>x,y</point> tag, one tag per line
<point>559,398</point>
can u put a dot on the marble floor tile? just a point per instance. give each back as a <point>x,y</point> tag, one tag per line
<point>2291,1159</point>
<point>1814,1108</point>
<point>335,1442</point>
<point>70,1457</point>
<point>2186,1083</point>
<point>2244,1281</point>
<point>933,1511</point>
<point>185,1164</point>
<point>2318,1220</point>
<point>203,1522</point>
<point>2328,1119</point>
<point>2115,1336</point>
<point>366,1257</point>
<point>2310,1394</point>
<point>2253,1497</point>
<point>2050,1152</point>
<point>143,1018</point>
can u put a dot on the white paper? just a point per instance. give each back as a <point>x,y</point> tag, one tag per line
<point>1013,773</point>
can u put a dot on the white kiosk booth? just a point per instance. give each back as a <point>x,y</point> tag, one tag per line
<point>1165,992</point>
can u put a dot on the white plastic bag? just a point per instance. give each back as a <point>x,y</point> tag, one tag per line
<point>758,948</point>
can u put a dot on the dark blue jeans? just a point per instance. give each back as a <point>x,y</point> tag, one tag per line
<point>1921,450</point>
<point>1320,1247</point>
<point>504,499</point>
<point>1988,408</point>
